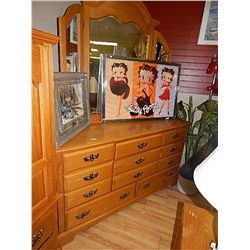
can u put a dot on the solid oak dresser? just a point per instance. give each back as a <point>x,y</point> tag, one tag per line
<point>109,166</point>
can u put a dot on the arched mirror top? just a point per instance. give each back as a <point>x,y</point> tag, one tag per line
<point>125,12</point>
<point>70,12</point>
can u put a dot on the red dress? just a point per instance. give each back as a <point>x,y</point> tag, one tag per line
<point>166,94</point>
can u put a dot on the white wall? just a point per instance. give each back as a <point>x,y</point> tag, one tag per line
<point>44,17</point>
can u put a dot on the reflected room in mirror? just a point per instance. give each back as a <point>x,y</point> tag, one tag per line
<point>110,37</point>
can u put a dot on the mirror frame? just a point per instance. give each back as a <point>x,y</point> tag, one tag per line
<point>63,22</point>
<point>126,12</point>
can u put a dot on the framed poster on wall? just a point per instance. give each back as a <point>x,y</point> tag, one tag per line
<point>209,24</point>
<point>137,89</point>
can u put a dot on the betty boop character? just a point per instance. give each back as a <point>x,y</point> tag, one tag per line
<point>119,83</point>
<point>147,77</point>
<point>167,76</point>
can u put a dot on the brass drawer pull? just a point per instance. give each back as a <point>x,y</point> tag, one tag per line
<point>140,160</point>
<point>90,177</point>
<point>170,162</point>
<point>90,193</point>
<point>123,196</point>
<point>171,173</point>
<point>175,136</point>
<point>146,185</point>
<point>142,145</point>
<point>138,174</point>
<point>91,157</point>
<point>173,149</point>
<point>37,237</point>
<point>82,214</point>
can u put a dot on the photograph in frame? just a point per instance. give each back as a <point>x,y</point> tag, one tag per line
<point>71,105</point>
<point>137,89</point>
<point>209,25</point>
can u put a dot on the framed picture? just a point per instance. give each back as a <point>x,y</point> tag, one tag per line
<point>137,89</point>
<point>73,30</point>
<point>71,105</point>
<point>209,25</point>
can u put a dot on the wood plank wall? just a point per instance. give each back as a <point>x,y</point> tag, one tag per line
<point>180,25</point>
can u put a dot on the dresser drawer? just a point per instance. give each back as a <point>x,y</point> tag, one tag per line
<point>161,179</point>
<point>134,175</point>
<point>137,145</point>
<point>135,161</point>
<point>88,193</point>
<point>168,162</point>
<point>88,157</point>
<point>43,230</point>
<point>171,149</point>
<point>98,206</point>
<point>174,135</point>
<point>87,176</point>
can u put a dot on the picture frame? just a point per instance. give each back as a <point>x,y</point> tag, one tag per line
<point>209,26</point>
<point>73,30</point>
<point>72,111</point>
<point>129,96</point>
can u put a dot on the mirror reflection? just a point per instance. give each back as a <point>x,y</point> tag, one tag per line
<point>161,53</point>
<point>109,36</point>
<point>71,46</point>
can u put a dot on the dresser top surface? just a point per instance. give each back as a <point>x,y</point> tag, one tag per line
<point>96,134</point>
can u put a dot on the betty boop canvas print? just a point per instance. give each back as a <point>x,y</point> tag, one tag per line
<point>136,89</point>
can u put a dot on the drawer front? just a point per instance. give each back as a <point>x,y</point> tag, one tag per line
<point>169,162</point>
<point>43,230</point>
<point>135,161</point>
<point>171,149</point>
<point>161,179</point>
<point>134,175</point>
<point>137,145</point>
<point>88,157</point>
<point>174,135</point>
<point>88,193</point>
<point>87,176</point>
<point>98,206</point>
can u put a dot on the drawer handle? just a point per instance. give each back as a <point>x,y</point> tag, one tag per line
<point>171,173</point>
<point>140,160</point>
<point>82,214</point>
<point>90,193</point>
<point>138,174</point>
<point>146,185</point>
<point>91,157</point>
<point>175,136</point>
<point>142,145</point>
<point>90,177</point>
<point>170,162</point>
<point>123,196</point>
<point>37,237</point>
<point>172,149</point>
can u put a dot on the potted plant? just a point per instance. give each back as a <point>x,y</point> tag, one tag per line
<point>201,139</point>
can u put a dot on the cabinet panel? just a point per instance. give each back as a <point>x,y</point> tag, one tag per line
<point>87,176</point>
<point>98,206</point>
<point>134,161</point>
<point>88,157</point>
<point>137,146</point>
<point>88,193</point>
<point>134,175</point>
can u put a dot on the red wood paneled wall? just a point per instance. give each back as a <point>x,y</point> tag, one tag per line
<point>180,25</point>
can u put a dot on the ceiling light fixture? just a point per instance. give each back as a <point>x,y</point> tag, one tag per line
<point>103,43</point>
<point>94,50</point>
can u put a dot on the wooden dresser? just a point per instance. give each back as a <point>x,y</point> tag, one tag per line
<point>108,166</point>
<point>44,194</point>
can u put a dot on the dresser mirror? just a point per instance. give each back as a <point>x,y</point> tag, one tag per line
<point>128,25</point>
<point>109,36</point>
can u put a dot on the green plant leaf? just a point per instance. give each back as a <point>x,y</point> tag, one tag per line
<point>181,112</point>
<point>208,106</point>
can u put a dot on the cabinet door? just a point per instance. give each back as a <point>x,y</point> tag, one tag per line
<point>41,130</point>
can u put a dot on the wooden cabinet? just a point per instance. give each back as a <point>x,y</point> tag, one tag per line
<point>44,195</point>
<point>129,160</point>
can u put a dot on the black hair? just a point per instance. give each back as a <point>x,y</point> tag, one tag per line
<point>123,65</point>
